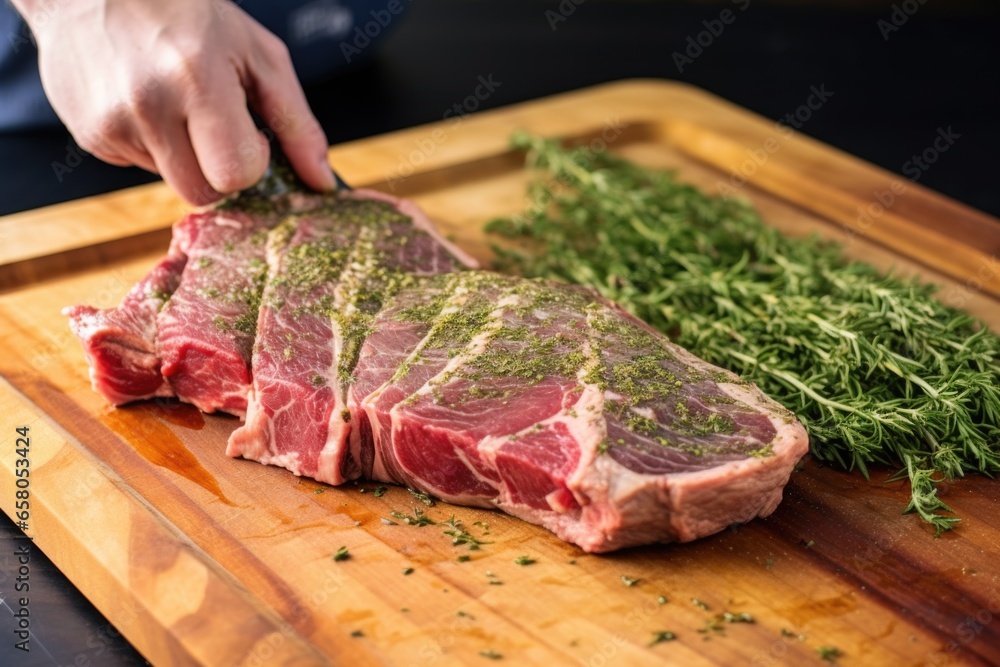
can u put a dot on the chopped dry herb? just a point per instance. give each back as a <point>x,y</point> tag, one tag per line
<point>661,636</point>
<point>418,518</point>
<point>829,653</point>
<point>422,497</point>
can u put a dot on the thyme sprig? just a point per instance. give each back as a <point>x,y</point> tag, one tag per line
<point>877,369</point>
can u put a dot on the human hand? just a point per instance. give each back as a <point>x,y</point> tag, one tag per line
<point>166,86</point>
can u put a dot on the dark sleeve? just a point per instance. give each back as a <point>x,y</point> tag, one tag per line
<point>23,105</point>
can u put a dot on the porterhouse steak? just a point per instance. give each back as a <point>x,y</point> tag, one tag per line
<point>357,342</point>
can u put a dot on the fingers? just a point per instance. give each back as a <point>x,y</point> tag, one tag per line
<point>175,159</point>
<point>127,155</point>
<point>279,99</point>
<point>231,152</point>
<point>114,141</point>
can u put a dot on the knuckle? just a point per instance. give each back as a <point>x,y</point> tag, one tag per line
<point>89,143</point>
<point>184,65</point>
<point>232,176</point>
<point>277,50</point>
<point>103,132</point>
<point>143,103</point>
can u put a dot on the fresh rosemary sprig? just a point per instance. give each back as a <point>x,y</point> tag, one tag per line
<point>876,368</point>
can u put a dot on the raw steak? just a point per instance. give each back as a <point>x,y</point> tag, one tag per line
<point>558,407</point>
<point>328,276</point>
<point>122,345</point>
<point>205,332</point>
<point>376,353</point>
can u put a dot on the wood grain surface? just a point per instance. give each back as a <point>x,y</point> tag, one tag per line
<point>201,559</point>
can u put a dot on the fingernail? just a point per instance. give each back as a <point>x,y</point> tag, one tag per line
<point>329,182</point>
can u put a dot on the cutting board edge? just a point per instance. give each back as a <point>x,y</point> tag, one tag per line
<point>113,591</point>
<point>650,97</point>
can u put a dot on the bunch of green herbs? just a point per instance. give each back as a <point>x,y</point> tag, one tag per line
<point>874,366</point>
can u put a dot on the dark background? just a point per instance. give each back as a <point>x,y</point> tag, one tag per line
<point>938,70</point>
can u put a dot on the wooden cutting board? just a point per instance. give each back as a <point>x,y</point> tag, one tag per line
<point>200,559</point>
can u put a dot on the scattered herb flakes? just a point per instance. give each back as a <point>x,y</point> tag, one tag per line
<point>459,535</point>
<point>662,599</point>
<point>743,617</point>
<point>379,491</point>
<point>698,603</point>
<point>342,554</point>
<point>661,636</point>
<point>418,518</point>
<point>465,614</point>
<point>464,558</point>
<point>407,571</point>
<point>713,625</point>
<point>829,653</point>
<point>490,574</point>
<point>389,522</point>
<point>524,560</point>
<point>785,632</point>
<point>405,610</point>
<point>491,654</point>
<point>769,563</point>
<point>573,562</point>
<point>496,582</point>
<point>357,633</point>
<point>319,491</point>
<point>422,497</point>
<point>809,544</point>
<point>629,581</point>
<point>877,369</point>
